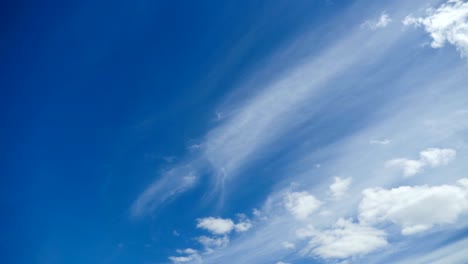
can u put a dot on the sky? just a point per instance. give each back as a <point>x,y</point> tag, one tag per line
<point>206,132</point>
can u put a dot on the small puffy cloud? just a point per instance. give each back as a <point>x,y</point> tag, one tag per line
<point>191,255</point>
<point>436,157</point>
<point>243,226</point>
<point>186,251</point>
<point>409,167</point>
<point>217,226</point>
<point>447,23</point>
<point>180,259</point>
<point>281,262</point>
<point>382,22</point>
<point>412,207</point>
<point>288,245</point>
<point>432,157</point>
<point>210,242</point>
<point>340,187</point>
<point>345,239</point>
<point>301,204</point>
<point>221,226</point>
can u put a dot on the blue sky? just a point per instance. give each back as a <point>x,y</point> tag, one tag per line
<point>283,132</point>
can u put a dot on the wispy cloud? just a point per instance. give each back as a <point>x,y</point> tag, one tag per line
<point>381,22</point>
<point>270,114</point>
<point>422,103</point>
<point>172,183</point>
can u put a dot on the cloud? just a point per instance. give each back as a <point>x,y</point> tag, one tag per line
<point>288,245</point>
<point>453,253</point>
<point>191,255</point>
<point>217,226</point>
<point>436,157</point>
<point>181,259</point>
<point>382,22</point>
<point>345,239</point>
<point>210,242</point>
<point>243,226</point>
<point>379,141</point>
<point>415,209</point>
<point>281,262</point>
<point>301,204</point>
<point>340,187</point>
<point>187,251</point>
<point>432,157</point>
<point>447,23</point>
<point>172,183</point>
<point>409,167</point>
<point>220,226</point>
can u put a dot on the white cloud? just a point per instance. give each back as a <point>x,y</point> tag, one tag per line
<point>217,226</point>
<point>221,226</point>
<point>210,242</point>
<point>191,255</point>
<point>345,239</point>
<point>415,209</point>
<point>288,245</point>
<point>181,259</point>
<point>243,226</point>
<point>301,204</point>
<point>463,182</point>
<point>453,253</point>
<point>382,22</point>
<point>340,187</point>
<point>436,157</point>
<point>447,23</point>
<point>409,167</point>
<point>171,183</point>
<point>432,157</point>
<point>281,262</point>
<point>187,251</point>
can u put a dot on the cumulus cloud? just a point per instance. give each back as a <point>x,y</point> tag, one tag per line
<point>340,187</point>
<point>191,255</point>
<point>181,259</point>
<point>217,226</point>
<point>221,226</point>
<point>413,207</point>
<point>301,204</point>
<point>432,157</point>
<point>436,157</point>
<point>382,22</point>
<point>345,239</point>
<point>447,23</point>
